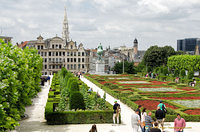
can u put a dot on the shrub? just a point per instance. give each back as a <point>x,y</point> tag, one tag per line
<point>74,86</point>
<point>77,101</point>
<point>176,73</point>
<point>190,74</point>
<point>165,71</point>
<point>182,73</point>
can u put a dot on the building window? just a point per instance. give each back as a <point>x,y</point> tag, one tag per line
<point>71,53</point>
<point>38,47</point>
<point>56,46</point>
<point>60,46</point>
<point>53,46</point>
<point>41,47</point>
<point>56,53</point>
<point>74,59</point>
<point>74,53</point>
<point>49,53</point>
<point>63,59</point>
<point>67,66</point>
<point>41,53</point>
<point>82,53</point>
<point>74,66</point>
<point>49,66</point>
<point>71,59</point>
<point>60,66</point>
<point>82,59</point>
<point>56,66</point>
<point>63,53</point>
<point>52,53</point>
<point>71,46</point>
<point>67,53</point>
<point>71,66</point>
<point>49,59</point>
<point>79,59</point>
<point>60,54</point>
<point>79,66</point>
<point>45,66</point>
<point>38,52</point>
<point>79,53</point>
<point>53,67</point>
<point>83,66</point>
<point>67,59</point>
<point>45,60</point>
<point>45,53</point>
<point>45,73</point>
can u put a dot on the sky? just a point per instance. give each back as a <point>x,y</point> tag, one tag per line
<point>109,22</point>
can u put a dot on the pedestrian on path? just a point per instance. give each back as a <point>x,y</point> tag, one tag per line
<point>93,129</point>
<point>159,117</point>
<point>135,121</point>
<point>148,122</point>
<point>116,108</point>
<point>138,109</point>
<point>179,124</point>
<point>155,128</point>
<point>143,114</point>
<point>163,108</point>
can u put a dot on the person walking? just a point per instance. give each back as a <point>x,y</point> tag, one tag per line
<point>148,122</point>
<point>93,129</point>
<point>138,109</point>
<point>143,114</point>
<point>135,121</point>
<point>163,108</point>
<point>159,117</point>
<point>155,128</point>
<point>116,108</point>
<point>179,124</point>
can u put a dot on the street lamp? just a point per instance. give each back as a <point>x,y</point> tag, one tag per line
<point>123,63</point>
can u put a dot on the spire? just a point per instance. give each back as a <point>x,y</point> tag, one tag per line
<point>65,33</point>
<point>197,50</point>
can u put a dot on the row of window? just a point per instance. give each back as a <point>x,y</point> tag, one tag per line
<point>69,66</point>
<point>62,53</point>
<point>63,60</point>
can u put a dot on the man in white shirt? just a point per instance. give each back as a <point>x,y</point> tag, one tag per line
<point>135,121</point>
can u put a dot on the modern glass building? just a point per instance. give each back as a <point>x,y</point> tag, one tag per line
<point>188,44</point>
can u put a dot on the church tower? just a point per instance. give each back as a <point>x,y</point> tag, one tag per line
<point>197,50</point>
<point>65,33</point>
<point>135,47</point>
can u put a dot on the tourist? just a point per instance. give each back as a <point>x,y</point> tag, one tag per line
<point>135,121</point>
<point>90,90</point>
<point>193,83</point>
<point>179,124</point>
<point>148,122</point>
<point>116,108</point>
<point>48,80</point>
<point>163,108</point>
<point>138,109</point>
<point>159,116</point>
<point>143,114</point>
<point>98,95</point>
<point>155,128</point>
<point>177,80</point>
<point>93,129</point>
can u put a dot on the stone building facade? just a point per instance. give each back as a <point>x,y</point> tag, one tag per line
<point>60,52</point>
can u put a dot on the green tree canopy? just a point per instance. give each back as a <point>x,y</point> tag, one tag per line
<point>128,67</point>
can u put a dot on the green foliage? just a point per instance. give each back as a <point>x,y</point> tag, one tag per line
<point>20,72</point>
<point>76,101</point>
<point>74,86</point>
<point>183,73</point>
<point>176,73</point>
<point>128,67</point>
<point>190,74</point>
<point>157,56</point>
<point>165,71</point>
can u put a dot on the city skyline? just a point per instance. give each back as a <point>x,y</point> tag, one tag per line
<point>114,23</point>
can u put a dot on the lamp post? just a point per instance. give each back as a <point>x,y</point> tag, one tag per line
<point>123,63</point>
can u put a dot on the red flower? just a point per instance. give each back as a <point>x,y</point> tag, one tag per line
<point>152,104</point>
<point>175,98</point>
<point>193,112</point>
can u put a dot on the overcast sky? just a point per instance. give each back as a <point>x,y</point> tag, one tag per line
<point>111,22</point>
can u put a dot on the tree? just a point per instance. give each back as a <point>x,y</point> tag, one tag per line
<point>128,67</point>
<point>157,56</point>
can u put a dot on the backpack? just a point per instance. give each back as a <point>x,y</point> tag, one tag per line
<point>164,109</point>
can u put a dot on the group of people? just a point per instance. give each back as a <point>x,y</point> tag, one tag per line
<point>151,75</point>
<point>143,121</point>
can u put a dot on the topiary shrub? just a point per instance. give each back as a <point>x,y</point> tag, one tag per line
<point>76,101</point>
<point>165,71</point>
<point>74,86</point>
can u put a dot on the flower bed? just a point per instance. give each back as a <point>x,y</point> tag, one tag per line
<point>193,112</point>
<point>156,89</point>
<point>133,82</point>
<point>175,98</point>
<point>187,89</point>
<point>111,78</point>
<point>188,103</point>
<point>151,104</point>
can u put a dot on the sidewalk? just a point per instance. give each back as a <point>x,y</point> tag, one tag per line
<point>37,123</point>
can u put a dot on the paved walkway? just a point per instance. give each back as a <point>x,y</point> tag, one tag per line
<point>37,123</point>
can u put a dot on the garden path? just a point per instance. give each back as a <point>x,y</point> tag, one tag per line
<point>37,123</point>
